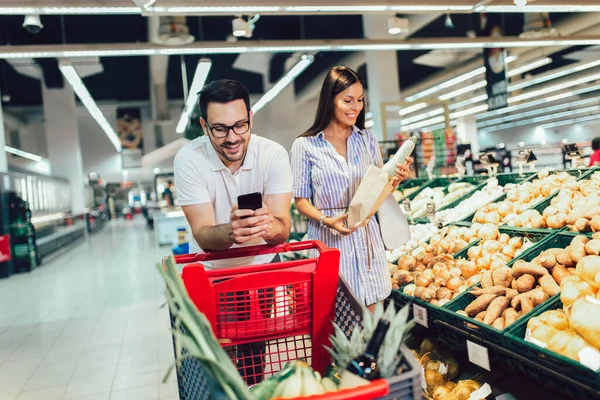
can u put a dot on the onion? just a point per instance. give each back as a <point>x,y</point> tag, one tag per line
<point>454,283</point>
<point>491,246</point>
<point>455,271</point>
<point>509,251</point>
<point>410,289</point>
<point>428,274</point>
<point>474,280</point>
<point>468,269</point>
<point>516,242</point>
<point>489,232</point>
<point>474,252</point>
<point>443,302</point>
<point>407,262</point>
<point>444,293</point>
<point>475,228</point>
<point>422,280</point>
<point>418,291</point>
<point>504,238</point>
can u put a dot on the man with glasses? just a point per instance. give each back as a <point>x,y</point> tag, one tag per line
<point>213,170</point>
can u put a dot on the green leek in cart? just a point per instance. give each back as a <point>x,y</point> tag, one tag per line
<point>198,338</point>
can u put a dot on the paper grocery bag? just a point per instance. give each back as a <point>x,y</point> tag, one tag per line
<point>372,192</point>
<point>394,227</point>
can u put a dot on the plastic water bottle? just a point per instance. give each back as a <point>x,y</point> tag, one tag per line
<point>400,157</point>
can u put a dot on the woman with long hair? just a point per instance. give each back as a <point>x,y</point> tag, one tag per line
<point>329,162</point>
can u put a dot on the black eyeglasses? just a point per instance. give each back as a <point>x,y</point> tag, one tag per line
<point>221,131</point>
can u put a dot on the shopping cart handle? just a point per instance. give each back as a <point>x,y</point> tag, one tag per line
<point>249,251</point>
<point>374,389</point>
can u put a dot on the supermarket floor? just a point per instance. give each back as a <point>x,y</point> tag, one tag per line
<point>87,325</point>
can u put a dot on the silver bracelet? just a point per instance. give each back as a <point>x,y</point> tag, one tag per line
<point>322,220</point>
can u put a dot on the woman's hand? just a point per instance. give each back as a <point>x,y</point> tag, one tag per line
<point>339,224</point>
<point>401,171</point>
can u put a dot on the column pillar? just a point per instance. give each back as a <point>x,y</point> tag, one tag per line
<point>382,71</point>
<point>62,137</point>
<point>3,158</point>
<point>466,130</point>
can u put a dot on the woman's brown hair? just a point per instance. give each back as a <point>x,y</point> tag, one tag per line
<point>337,80</point>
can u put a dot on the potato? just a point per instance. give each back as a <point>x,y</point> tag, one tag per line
<point>593,247</point>
<point>547,260</point>
<point>525,283</point>
<point>502,276</point>
<point>595,223</point>
<point>582,225</point>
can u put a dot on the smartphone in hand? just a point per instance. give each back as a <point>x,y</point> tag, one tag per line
<point>250,201</point>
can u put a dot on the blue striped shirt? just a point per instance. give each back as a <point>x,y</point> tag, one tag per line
<point>322,175</point>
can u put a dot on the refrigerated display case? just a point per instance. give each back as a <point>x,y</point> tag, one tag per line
<point>49,200</point>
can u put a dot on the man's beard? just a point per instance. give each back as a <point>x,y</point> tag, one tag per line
<point>238,155</point>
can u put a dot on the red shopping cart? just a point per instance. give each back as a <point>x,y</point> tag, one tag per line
<point>267,315</point>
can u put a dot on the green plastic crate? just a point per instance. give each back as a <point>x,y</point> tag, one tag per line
<point>411,183</point>
<point>469,326</point>
<point>552,369</point>
<point>401,299</point>
<point>434,183</point>
<point>558,240</point>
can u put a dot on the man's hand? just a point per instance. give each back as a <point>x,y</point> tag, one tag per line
<point>246,229</point>
<point>272,226</point>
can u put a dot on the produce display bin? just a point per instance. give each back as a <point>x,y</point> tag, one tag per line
<point>285,310</point>
<point>434,183</point>
<point>433,312</point>
<point>469,327</point>
<point>547,367</point>
<point>411,183</point>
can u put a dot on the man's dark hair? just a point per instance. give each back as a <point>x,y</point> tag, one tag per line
<point>222,91</point>
<point>596,144</point>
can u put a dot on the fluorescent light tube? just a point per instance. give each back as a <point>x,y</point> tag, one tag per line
<point>86,99</point>
<point>528,67</point>
<point>421,117</point>
<point>412,108</point>
<point>202,70</point>
<point>24,154</point>
<point>554,88</point>
<point>538,111</point>
<point>530,8</point>
<point>466,89</point>
<point>593,109</point>
<point>288,78</point>
<point>554,75</point>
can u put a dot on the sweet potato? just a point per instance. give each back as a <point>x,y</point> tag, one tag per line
<point>502,276</point>
<point>499,323</point>
<point>548,260</point>
<point>486,279</point>
<point>549,285</point>
<point>516,301</point>
<point>510,316</point>
<point>521,268</point>
<point>479,317</point>
<point>564,257</point>
<point>560,272</point>
<point>480,304</point>
<point>526,305</point>
<point>495,309</point>
<point>577,250</point>
<point>593,247</point>
<point>538,297</point>
<point>498,290</point>
<point>511,293</point>
<point>525,283</point>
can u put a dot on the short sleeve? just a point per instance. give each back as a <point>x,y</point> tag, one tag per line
<point>279,177</point>
<point>189,183</point>
<point>374,148</point>
<point>301,170</point>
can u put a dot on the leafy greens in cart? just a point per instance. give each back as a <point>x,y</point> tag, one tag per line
<point>197,336</point>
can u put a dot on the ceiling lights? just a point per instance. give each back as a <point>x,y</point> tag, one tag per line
<point>243,28</point>
<point>548,117</point>
<point>150,8</point>
<point>289,77</point>
<point>202,70</point>
<point>24,154</point>
<point>412,108</point>
<point>279,46</point>
<point>86,99</point>
<point>397,25</point>
<point>582,120</point>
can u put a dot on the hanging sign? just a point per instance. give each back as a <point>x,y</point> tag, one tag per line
<point>494,60</point>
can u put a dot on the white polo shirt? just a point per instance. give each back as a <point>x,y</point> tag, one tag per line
<point>201,177</point>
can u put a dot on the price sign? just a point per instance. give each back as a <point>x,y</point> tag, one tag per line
<point>420,315</point>
<point>406,205</point>
<point>526,157</point>
<point>431,210</point>
<point>572,151</point>
<point>478,355</point>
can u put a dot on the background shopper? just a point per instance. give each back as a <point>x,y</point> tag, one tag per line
<point>212,171</point>
<point>329,161</point>
<point>595,158</point>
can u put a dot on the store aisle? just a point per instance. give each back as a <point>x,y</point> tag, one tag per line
<point>88,325</point>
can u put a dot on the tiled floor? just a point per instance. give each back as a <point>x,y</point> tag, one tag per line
<point>88,324</point>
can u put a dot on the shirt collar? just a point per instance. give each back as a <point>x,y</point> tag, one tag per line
<point>355,129</point>
<point>216,164</point>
